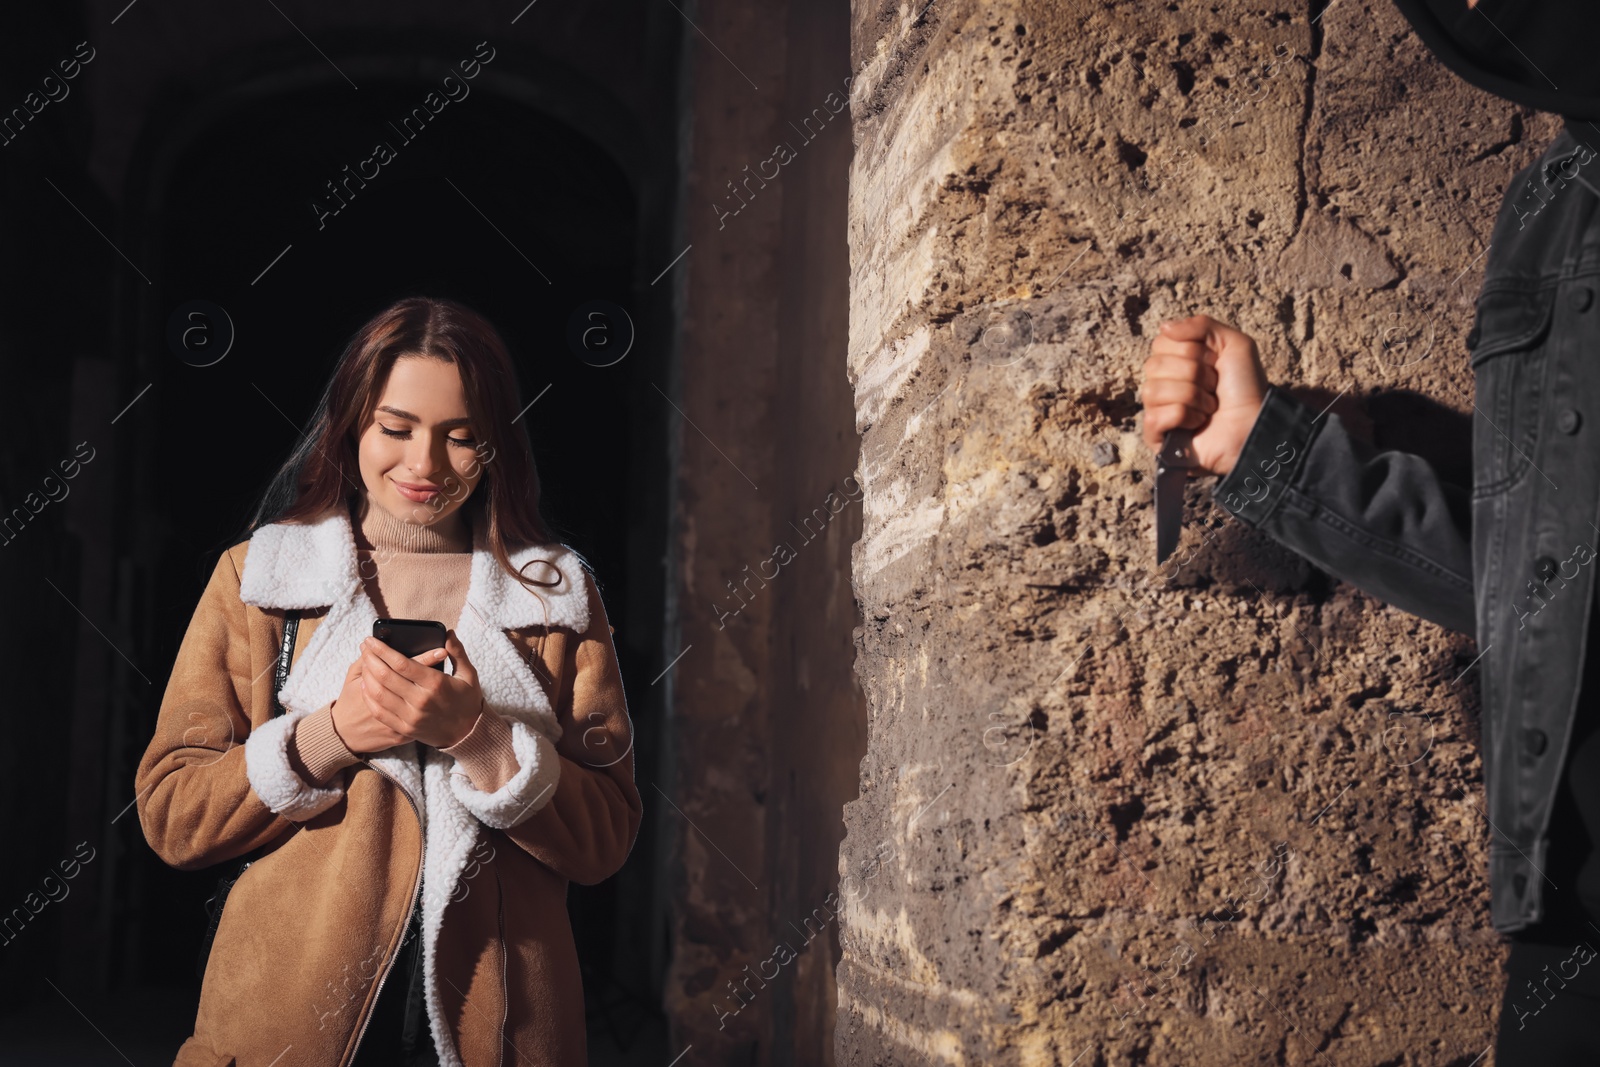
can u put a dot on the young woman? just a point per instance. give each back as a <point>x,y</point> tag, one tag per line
<point>419,825</point>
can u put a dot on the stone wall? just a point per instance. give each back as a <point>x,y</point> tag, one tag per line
<point>1223,811</point>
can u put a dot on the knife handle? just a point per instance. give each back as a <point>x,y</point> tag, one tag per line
<point>1177,450</point>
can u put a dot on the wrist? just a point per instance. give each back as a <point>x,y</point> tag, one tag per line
<point>471,727</point>
<point>333,722</point>
<point>316,745</point>
<point>1272,458</point>
<point>1247,416</point>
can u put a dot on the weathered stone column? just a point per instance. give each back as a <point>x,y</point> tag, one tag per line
<point>1227,810</point>
<point>766,722</point>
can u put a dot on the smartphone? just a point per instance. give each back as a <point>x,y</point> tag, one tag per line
<point>410,637</point>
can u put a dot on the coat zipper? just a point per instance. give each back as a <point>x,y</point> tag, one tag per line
<point>415,890</point>
<point>505,996</point>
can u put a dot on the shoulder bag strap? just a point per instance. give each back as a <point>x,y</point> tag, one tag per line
<point>291,630</point>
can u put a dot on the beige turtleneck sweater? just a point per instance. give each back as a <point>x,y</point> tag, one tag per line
<point>410,572</point>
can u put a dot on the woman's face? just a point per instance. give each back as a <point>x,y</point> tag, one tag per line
<point>418,453</point>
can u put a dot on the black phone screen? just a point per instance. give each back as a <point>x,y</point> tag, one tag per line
<point>410,637</point>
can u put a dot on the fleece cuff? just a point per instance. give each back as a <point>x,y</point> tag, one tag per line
<point>528,790</point>
<point>274,779</point>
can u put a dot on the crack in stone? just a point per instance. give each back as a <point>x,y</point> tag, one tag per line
<point>1302,193</point>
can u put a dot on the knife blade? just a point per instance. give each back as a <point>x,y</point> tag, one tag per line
<point>1173,463</point>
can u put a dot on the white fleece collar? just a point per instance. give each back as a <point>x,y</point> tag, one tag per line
<point>314,565</point>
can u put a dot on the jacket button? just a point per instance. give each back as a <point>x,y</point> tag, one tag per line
<point>1519,884</point>
<point>1544,568</point>
<point>1581,299</point>
<point>1472,337</point>
<point>1534,741</point>
<point>1568,420</point>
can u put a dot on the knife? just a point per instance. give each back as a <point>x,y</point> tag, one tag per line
<point>1173,463</point>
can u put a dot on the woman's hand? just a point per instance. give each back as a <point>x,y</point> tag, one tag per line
<point>414,701</point>
<point>353,722</point>
<point>1206,376</point>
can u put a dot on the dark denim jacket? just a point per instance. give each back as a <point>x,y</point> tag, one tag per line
<point>1510,558</point>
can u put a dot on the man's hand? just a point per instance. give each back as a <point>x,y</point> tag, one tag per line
<point>1206,376</point>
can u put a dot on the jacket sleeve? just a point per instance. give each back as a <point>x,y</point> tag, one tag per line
<point>1385,522</point>
<point>194,792</point>
<point>587,827</point>
<point>503,800</point>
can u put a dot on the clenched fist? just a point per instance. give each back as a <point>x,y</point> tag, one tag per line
<point>1206,376</point>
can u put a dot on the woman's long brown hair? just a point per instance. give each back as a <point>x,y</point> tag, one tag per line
<point>324,472</point>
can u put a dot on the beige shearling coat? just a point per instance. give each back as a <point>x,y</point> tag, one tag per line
<point>310,930</point>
